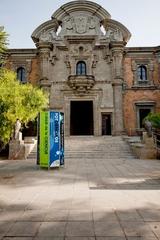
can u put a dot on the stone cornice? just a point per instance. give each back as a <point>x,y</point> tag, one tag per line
<point>22,52</point>
<point>81,6</point>
<point>139,88</point>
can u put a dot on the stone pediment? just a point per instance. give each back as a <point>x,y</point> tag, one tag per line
<point>89,7</point>
<point>115,31</point>
<point>81,19</point>
<point>46,32</point>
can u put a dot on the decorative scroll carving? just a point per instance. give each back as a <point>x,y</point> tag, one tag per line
<point>69,24</point>
<point>95,60</point>
<point>81,84</point>
<point>114,34</point>
<point>85,50</point>
<point>67,62</point>
<point>47,36</point>
<point>53,55</point>
<point>107,55</point>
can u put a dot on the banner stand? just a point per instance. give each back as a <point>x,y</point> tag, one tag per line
<point>50,147</point>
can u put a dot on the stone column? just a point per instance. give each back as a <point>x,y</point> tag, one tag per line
<point>44,49</point>
<point>117,52</point>
<point>158,61</point>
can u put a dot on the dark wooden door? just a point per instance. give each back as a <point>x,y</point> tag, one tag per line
<point>106,124</point>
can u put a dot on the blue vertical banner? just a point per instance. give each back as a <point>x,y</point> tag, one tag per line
<point>61,138</point>
<point>54,139</point>
<point>50,139</point>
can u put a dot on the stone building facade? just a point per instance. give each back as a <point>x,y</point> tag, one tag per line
<point>81,59</point>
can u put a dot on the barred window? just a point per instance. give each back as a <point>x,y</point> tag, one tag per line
<point>21,74</point>
<point>81,68</point>
<point>142,72</point>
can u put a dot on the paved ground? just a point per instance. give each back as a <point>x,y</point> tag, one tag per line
<point>102,193</point>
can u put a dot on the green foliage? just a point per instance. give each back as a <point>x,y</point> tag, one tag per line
<point>3,44</point>
<point>154,118</point>
<point>22,101</point>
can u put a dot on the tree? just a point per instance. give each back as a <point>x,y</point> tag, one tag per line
<point>22,101</point>
<point>154,118</point>
<point>3,44</point>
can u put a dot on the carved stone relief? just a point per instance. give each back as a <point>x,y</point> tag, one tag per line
<point>114,34</point>
<point>67,61</point>
<point>80,24</point>
<point>46,36</point>
<point>53,55</point>
<point>94,61</point>
<point>81,50</point>
<point>107,55</point>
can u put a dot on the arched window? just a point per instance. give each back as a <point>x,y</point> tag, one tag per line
<point>81,68</point>
<point>142,72</point>
<point>21,74</point>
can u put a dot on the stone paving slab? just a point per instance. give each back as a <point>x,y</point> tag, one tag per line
<point>17,238</point>
<point>139,229</point>
<point>49,238</point>
<point>129,216</point>
<point>82,229</point>
<point>108,229</point>
<point>155,226</point>
<point>52,229</point>
<point>104,216</point>
<point>26,229</point>
<point>79,238</point>
<point>110,238</point>
<point>150,215</point>
<point>142,238</point>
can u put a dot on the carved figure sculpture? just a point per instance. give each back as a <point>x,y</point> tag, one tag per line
<point>17,128</point>
<point>148,127</point>
<point>70,25</point>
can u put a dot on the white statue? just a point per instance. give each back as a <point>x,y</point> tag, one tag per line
<point>17,128</point>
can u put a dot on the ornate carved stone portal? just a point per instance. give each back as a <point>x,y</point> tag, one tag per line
<point>81,55</point>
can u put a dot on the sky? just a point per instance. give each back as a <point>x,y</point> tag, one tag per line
<point>21,17</point>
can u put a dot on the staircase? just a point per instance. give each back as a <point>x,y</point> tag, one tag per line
<point>33,153</point>
<point>90,147</point>
<point>106,147</point>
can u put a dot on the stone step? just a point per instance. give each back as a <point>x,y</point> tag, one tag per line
<point>97,156</point>
<point>94,147</point>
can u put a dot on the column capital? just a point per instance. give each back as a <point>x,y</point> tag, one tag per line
<point>117,82</point>
<point>117,48</point>
<point>44,45</point>
<point>117,45</point>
